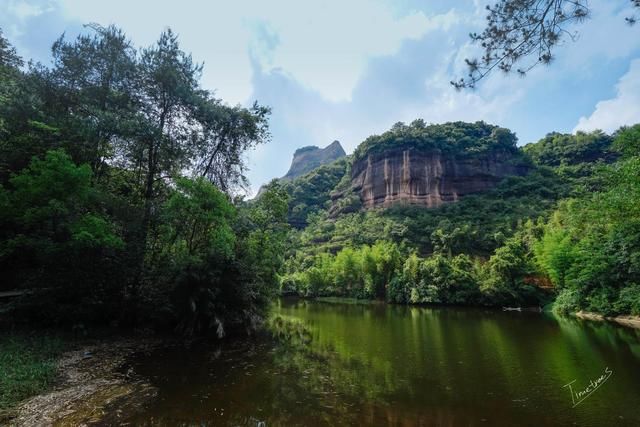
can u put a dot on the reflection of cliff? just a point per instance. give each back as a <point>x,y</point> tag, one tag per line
<point>428,178</point>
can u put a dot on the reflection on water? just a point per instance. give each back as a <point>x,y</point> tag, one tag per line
<point>375,364</point>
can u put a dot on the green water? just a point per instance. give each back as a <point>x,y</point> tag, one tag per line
<point>375,364</point>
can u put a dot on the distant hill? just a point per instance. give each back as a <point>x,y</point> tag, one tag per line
<point>414,179</point>
<point>309,158</point>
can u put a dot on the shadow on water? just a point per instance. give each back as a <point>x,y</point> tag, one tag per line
<point>377,364</point>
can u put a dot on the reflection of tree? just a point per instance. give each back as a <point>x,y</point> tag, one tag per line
<point>336,381</point>
<point>338,364</point>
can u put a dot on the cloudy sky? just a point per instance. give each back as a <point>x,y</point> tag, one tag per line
<point>345,69</point>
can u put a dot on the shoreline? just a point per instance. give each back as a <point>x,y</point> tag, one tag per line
<point>627,321</point>
<point>91,380</point>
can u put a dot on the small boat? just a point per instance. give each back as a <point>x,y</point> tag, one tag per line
<point>511,308</point>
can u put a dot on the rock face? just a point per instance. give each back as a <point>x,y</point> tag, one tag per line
<point>307,159</point>
<point>428,178</point>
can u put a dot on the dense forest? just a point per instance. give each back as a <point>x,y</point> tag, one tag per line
<point>119,177</point>
<point>568,231</point>
<point>120,183</point>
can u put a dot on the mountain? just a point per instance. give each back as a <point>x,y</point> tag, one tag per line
<point>457,213</point>
<point>433,165</point>
<point>409,165</point>
<point>307,159</point>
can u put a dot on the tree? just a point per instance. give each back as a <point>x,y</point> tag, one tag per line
<point>117,181</point>
<point>55,239</point>
<point>93,97</point>
<point>9,77</point>
<point>627,141</point>
<point>197,241</point>
<point>591,244</point>
<point>225,134</point>
<point>8,55</point>
<point>557,149</point>
<point>448,238</point>
<point>524,31</point>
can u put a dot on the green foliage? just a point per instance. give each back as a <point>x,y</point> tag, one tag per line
<point>384,271</point>
<point>627,141</point>
<point>264,231</point>
<point>364,272</point>
<point>628,300</point>
<point>216,264</point>
<point>477,224</point>
<point>457,138</point>
<point>311,192</point>
<point>54,236</point>
<point>437,279</point>
<point>9,75</point>
<point>558,149</point>
<point>591,245</point>
<point>196,240</point>
<point>504,276</point>
<point>27,367</point>
<point>327,234</point>
<point>505,246</point>
<point>568,301</point>
<point>98,220</point>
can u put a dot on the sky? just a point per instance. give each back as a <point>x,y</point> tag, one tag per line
<point>347,69</point>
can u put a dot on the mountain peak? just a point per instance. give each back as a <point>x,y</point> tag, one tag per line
<point>306,159</point>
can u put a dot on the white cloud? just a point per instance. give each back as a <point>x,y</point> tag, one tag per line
<point>604,36</point>
<point>23,9</point>
<point>19,11</point>
<point>624,109</point>
<point>324,45</point>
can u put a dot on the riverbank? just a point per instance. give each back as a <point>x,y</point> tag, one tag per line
<point>83,383</point>
<point>27,366</point>
<point>628,321</point>
<point>624,320</point>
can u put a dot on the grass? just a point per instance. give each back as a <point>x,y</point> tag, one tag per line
<point>27,366</point>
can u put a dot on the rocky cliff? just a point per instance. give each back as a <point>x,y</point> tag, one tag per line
<point>429,165</point>
<point>308,158</point>
<point>429,178</point>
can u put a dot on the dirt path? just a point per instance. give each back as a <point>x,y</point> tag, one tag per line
<point>91,386</point>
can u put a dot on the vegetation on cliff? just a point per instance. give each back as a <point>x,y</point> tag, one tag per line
<point>456,138</point>
<point>311,193</point>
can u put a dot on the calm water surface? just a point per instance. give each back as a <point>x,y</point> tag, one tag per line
<point>375,364</point>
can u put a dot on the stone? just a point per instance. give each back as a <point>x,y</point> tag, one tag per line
<point>307,159</point>
<point>429,178</point>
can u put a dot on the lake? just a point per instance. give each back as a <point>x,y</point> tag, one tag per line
<point>377,364</point>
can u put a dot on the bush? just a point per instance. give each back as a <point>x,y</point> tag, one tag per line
<point>568,301</point>
<point>628,301</point>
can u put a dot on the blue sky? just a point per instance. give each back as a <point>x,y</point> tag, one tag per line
<point>344,70</point>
